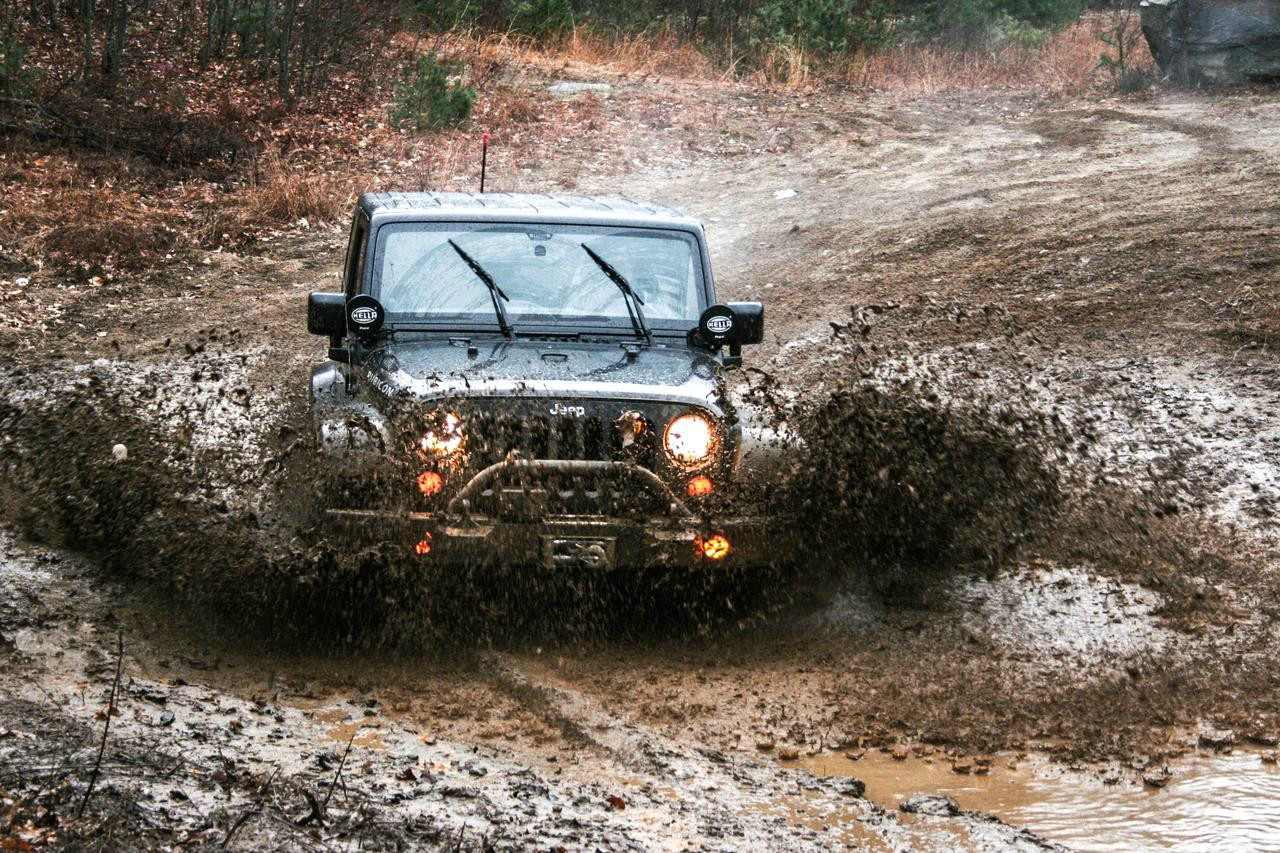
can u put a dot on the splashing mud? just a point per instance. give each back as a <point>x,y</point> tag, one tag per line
<point>196,473</point>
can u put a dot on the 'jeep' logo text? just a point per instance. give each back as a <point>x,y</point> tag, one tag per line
<point>719,325</point>
<point>562,409</point>
<point>364,314</point>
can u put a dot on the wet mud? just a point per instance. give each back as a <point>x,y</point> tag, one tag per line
<point>1202,800</point>
<point>1034,469</point>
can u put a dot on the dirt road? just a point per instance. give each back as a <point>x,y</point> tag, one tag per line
<point>1116,259</point>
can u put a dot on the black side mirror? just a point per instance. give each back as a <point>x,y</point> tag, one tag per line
<point>731,325</point>
<point>749,317</point>
<point>327,314</point>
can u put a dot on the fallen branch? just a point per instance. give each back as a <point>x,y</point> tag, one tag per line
<point>111,707</point>
<point>338,775</point>
<point>248,813</point>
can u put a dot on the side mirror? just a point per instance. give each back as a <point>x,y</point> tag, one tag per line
<point>731,325</point>
<point>327,314</point>
<point>750,319</point>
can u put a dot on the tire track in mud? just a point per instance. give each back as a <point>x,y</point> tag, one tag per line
<point>790,804</point>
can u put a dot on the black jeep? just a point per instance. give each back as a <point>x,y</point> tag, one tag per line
<point>535,379</point>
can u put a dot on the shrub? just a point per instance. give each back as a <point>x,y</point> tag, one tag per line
<point>820,27</point>
<point>15,77</point>
<point>541,19</point>
<point>426,98</point>
<point>992,23</point>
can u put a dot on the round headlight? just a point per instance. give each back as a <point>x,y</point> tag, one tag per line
<point>690,438</point>
<point>445,437</point>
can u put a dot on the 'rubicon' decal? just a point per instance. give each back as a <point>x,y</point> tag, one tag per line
<point>378,382</point>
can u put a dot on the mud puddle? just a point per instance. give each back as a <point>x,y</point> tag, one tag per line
<point>1211,800</point>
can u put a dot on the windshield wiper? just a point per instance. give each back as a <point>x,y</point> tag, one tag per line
<point>629,295</point>
<point>494,291</point>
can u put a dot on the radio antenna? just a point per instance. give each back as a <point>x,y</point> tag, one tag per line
<point>484,158</point>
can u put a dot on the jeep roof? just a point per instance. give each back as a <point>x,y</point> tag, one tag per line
<point>523,207</point>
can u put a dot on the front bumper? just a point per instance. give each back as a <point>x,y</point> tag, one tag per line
<point>596,543</point>
<point>529,530</point>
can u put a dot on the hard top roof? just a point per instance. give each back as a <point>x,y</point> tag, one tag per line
<point>523,207</point>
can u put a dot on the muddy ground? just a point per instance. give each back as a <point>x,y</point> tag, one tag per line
<point>1115,261</point>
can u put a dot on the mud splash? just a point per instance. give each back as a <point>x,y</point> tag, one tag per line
<point>196,473</point>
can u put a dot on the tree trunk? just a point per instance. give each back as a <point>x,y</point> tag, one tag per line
<point>113,52</point>
<point>286,44</point>
<point>1184,24</point>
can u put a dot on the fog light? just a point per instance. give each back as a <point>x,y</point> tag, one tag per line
<point>424,545</point>
<point>445,437</point>
<point>715,548</point>
<point>700,486</point>
<point>430,483</point>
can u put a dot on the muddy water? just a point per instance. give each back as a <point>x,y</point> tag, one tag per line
<point>1212,801</point>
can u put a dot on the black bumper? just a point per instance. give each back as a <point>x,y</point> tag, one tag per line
<point>557,542</point>
<point>532,529</point>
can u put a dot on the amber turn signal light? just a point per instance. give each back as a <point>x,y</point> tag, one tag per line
<point>430,483</point>
<point>714,548</point>
<point>700,486</point>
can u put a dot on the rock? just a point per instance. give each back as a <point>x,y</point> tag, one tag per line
<point>1271,757</point>
<point>1156,777</point>
<point>854,788</point>
<point>962,765</point>
<point>764,744</point>
<point>573,87</point>
<point>900,752</point>
<point>788,753</point>
<point>934,805</point>
<point>119,452</point>
<point>1222,42</point>
<point>855,754</point>
<point>1217,738</point>
<point>166,718</point>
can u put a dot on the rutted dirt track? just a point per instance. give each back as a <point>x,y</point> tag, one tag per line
<point>1118,259</point>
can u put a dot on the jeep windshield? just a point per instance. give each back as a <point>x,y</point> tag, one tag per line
<point>547,277</point>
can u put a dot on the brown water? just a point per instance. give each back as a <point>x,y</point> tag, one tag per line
<point>1211,802</point>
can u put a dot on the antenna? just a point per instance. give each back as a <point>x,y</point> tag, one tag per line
<point>484,158</point>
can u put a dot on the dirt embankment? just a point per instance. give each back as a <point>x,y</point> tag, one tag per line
<point>1073,299</point>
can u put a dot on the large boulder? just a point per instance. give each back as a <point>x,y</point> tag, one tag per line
<point>1219,41</point>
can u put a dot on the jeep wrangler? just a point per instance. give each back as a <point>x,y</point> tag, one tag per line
<point>535,379</point>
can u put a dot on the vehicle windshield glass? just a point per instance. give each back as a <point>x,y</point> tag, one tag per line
<point>543,269</point>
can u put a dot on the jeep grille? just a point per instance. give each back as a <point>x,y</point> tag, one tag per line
<point>491,437</point>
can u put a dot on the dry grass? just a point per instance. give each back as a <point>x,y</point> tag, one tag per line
<point>283,191</point>
<point>652,54</point>
<point>1066,64</point>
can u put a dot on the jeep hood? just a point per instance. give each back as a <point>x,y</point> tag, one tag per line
<point>560,370</point>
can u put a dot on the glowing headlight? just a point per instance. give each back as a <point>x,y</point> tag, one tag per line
<point>690,438</point>
<point>445,438</point>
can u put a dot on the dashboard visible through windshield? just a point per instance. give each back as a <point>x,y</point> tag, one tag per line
<point>543,273</point>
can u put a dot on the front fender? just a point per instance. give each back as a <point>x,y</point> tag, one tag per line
<point>344,424</point>
<point>768,449</point>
